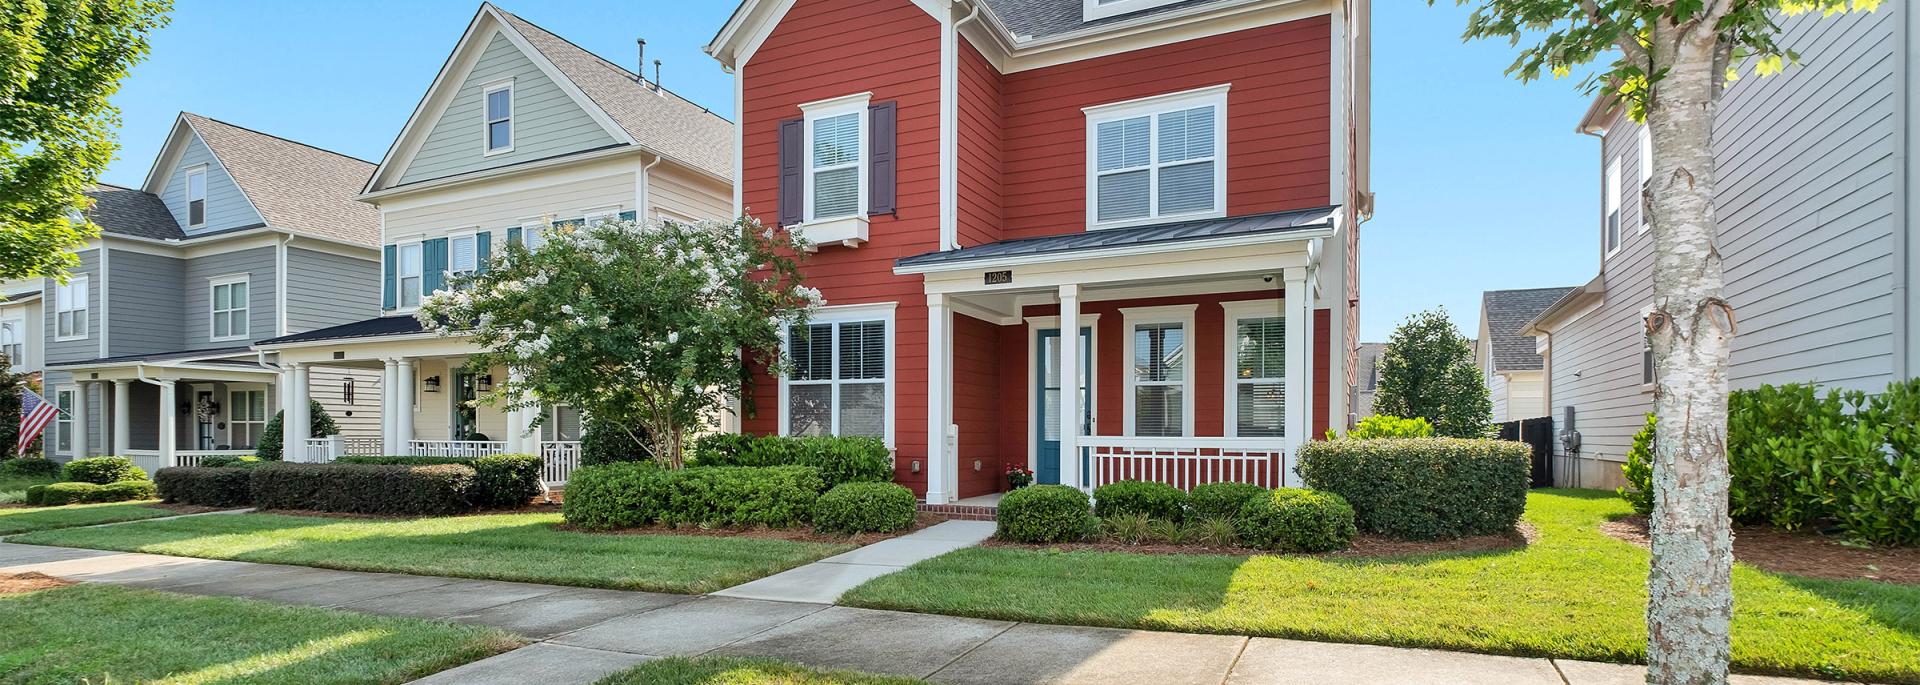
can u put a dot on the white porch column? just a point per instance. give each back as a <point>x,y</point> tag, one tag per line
<point>80,418</point>
<point>283,395</point>
<point>389,407</point>
<point>403,406</point>
<point>1299,323</point>
<point>169,422</point>
<point>122,416</point>
<point>521,437</point>
<point>296,423</point>
<point>1070,386</point>
<point>942,465</point>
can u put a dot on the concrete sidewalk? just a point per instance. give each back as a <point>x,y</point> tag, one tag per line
<point>583,634</point>
<point>823,581</point>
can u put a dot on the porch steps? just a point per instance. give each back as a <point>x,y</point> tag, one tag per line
<point>960,512</point>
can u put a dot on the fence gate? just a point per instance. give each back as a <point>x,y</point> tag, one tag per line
<point>1537,433</point>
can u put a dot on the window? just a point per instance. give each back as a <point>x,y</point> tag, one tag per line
<point>13,342</point>
<point>197,196</point>
<point>499,121</point>
<point>463,255</point>
<point>1257,377</point>
<point>562,424</point>
<point>836,164</point>
<point>1159,384</point>
<point>1646,174</point>
<point>70,309</point>
<point>229,308</point>
<point>840,383</point>
<point>601,214</point>
<point>409,274</point>
<point>63,422</point>
<point>533,234</point>
<point>1610,240</point>
<point>1158,158</point>
<point>246,418</point>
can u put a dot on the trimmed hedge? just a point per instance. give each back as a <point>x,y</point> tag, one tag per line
<point>77,492</point>
<point>102,470</point>
<point>840,459</point>
<point>1045,513</point>
<point>604,442</point>
<point>207,486</point>
<point>628,494</point>
<point>865,508</point>
<point>501,481</point>
<point>221,460</point>
<point>1154,500</point>
<point>426,490</point>
<point>1424,488</point>
<point>1296,520</point>
<point>29,467</point>
<point>1221,501</point>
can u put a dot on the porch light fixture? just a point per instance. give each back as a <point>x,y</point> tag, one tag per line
<point>433,384</point>
<point>483,383</point>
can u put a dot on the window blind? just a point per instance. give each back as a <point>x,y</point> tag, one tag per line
<point>836,171</point>
<point>1260,369</point>
<point>1159,361</point>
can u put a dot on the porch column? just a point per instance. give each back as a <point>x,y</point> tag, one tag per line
<point>389,407</point>
<point>942,465</point>
<point>1070,386</point>
<point>283,394</point>
<point>122,417</point>
<point>403,405</point>
<point>169,422</point>
<point>80,418</point>
<point>296,421</point>
<point>521,437</point>
<point>1299,323</point>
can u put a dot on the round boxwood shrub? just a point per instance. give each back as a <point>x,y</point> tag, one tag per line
<point>1045,513</point>
<point>864,508</point>
<point>103,470</point>
<point>29,467</point>
<point>1221,501</point>
<point>1127,497</point>
<point>1296,520</point>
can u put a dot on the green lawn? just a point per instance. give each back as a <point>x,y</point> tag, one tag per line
<point>724,671</point>
<point>104,634</point>
<point>13,490</point>
<point>1574,593</point>
<point>520,547</point>
<point>27,519</point>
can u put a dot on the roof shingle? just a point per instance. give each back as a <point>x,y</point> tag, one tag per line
<point>1033,19</point>
<point>1507,313</point>
<point>294,185</point>
<point>131,212</point>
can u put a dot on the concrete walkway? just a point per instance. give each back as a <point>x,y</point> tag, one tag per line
<point>822,582</point>
<point>583,634</point>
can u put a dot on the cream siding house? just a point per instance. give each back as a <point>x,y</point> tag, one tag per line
<point>1508,361</point>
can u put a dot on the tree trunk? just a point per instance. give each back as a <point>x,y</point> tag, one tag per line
<point>1689,586</point>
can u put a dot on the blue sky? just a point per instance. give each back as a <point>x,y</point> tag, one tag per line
<point>1481,181</point>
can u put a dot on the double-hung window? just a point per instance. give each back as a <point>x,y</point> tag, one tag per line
<point>1158,158</point>
<point>498,99</point>
<point>1646,173</point>
<point>1610,238</point>
<point>70,309</point>
<point>13,342</point>
<point>836,158</point>
<point>600,215</point>
<point>409,274</point>
<point>533,233</point>
<point>229,307</point>
<point>65,399</point>
<point>1257,369</point>
<point>197,197</point>
<point>840,380</point>
<point>1159,378</point>
<point>246,418</point>
<point>463,256</point>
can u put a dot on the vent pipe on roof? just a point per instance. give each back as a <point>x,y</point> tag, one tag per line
<point>640,67</point>
<point>657,86</point>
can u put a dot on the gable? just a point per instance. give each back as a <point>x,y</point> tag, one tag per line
<point>546,121</point>
<point>227,208</point>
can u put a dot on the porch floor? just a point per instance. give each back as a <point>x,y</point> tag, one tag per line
<point>990,500</point>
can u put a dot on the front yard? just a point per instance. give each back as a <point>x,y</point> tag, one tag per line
<point>526,547</point>
<point>27,519</point>
<point>1574,592</point>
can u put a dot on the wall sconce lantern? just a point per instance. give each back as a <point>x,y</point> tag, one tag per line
<point>433,384</point>
<point>483,383</point>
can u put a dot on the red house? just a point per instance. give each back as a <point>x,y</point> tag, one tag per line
<point>1178,181</point>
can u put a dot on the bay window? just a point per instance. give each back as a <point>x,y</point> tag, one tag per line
<point>1256,356</point>
<point>1157,159</point>
<point>1159,394</point>
<point>841,379</point>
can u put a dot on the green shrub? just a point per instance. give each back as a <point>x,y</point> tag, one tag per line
<point>77,492</point>
<point>1296,520</point>
<point>617,495</point>
<point>638,493</point>
<point>1638,470</point>
<point>1045,513</point>
<point>1381,426</point>
<point>1424,488</point>
<point>29,467</point>
<point>224,461</point>
<point>207,486</point>
<point>720,449</point>
<point>1215,532</point>
<point>851,459</point>
<point>319,425</point>
<point>128,490</point>
<point>607,441</point>
<point>102,470</point>
<point>501,481</point>
<point>1126,529</point>
<point>1221,501</point>
<point>865,508</point>
<point>36,495</point>
<point>1155,500</point>
<point>426,490</point>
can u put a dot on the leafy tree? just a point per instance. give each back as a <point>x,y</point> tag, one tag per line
<point>1427,372</point>
<point>1668,62</point>
<point>639,325</point>
<point>10,386</point>
<point>320,425</point>
<point>60,60</point>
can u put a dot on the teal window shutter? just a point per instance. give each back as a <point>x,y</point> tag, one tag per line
<point>386,283</point>
<point>629,215</point>
<point>483,249</point>
<point>433,265</point>
<point>513,235</point>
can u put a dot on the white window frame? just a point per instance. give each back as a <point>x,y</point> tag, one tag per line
<point>62,304</point>
<point>63,419</point>
<point>1153,107</point>
<point>856,103</point>
<point>533,232</point>
<point>1610,214</point>
<point>452,268</point>
<point>18,326</point>
<point>213,284</point>
<point>486,123</point>
<point>234,422</point>
<point>200,171</point>
<point>1646,173</point>
<point>1235,312</point>
<point>1131,317</point>
<point>400,274</point>
<point>1094,9</point>
<point>852,313</point>
<point>605,213</point>
<point>662,214</point>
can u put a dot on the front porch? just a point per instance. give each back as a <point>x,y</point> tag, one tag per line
<point>166,409</point>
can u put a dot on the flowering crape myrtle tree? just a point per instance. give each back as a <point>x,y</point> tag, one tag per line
<point>1670,60</point>
<point>640,323</point>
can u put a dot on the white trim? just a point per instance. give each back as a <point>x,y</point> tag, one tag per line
<point>214,284</point>
<point>855,104</point>
<point>470,232</point>
<point>604,213</point>
<point>486,122</point>
<point>400,275</point>
<point>1123,251</point>
<point>838,314</point>
<point>105,257</point>
<point>18,323</point>
<point>1230,334</point>
<point>1646,171</point>
<point>1094,9</point>
<point>201,171</point>
<point>1182,314</point>
<point>949,129</point>
<point>61,293</point>
<point>1610,211</point>
<point>1152,108</point>
<point>280,285</point>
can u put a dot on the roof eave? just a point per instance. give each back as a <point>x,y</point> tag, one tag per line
<point>1261,238</point>
<point>1578,296</point>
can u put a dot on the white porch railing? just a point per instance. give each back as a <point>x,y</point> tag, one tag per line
<point>327,449</point>
<point>455,448</point>
<point>1184,462</point>
<point>558,459</point>
<point>193,457</point>
<point>153,460</point>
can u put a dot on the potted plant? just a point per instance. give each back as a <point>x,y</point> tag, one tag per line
<point>1018,476</point>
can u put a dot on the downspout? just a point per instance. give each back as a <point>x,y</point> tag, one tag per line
<point>280,285</point>
<point>950,128</point>
<point>646,189</point>
<point>1906,259</point>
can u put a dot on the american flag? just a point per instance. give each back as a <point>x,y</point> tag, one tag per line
<point>35,413</point>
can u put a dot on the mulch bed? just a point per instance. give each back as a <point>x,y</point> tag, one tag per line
<point>1800,553</point>
<point>1365,545</point>
<point>16,583</point>
<point>801,534</point>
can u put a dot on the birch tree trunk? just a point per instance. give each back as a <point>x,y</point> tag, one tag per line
<point>1690,583</point>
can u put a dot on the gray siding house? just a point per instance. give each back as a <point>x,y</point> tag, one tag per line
<point>1816,209</point>
<point>235,236</point>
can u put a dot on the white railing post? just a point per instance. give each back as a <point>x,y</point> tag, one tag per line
<point>336,446</point>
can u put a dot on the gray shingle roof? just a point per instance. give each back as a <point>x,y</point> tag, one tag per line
<point>211,356</point>
<point>1030,19</point>
<point>1274,222</point>
<point>131,212</point>
<point>1507,313</point>
<point>658,120</point>
<point>294,185</point>
<point>366,328</point>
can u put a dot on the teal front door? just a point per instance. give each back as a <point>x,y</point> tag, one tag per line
<point>1047,398</point>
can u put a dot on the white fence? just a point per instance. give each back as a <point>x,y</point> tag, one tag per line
<point>1184,462</point>
<point>455,448</point>
<point>558,458</point>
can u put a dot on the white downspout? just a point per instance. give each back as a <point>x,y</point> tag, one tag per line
<point>950,128</point>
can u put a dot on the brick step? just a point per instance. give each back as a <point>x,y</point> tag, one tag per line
<point>960,512</point>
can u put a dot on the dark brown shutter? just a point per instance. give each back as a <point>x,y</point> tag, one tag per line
<point>880,163</point>
<point>792,136</point>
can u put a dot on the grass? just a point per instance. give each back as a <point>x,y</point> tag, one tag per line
<point>1574,593</point>
<point>101,634</point>
<point>13,489</point>
<point>518,547</point>
<point>725,671</point>
<point>28,519</point>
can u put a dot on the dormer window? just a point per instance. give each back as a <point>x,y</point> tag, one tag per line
<point>1101,9</point>
<point>1157,159</point>
<point>499,117</point>
<point>197,197</point>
